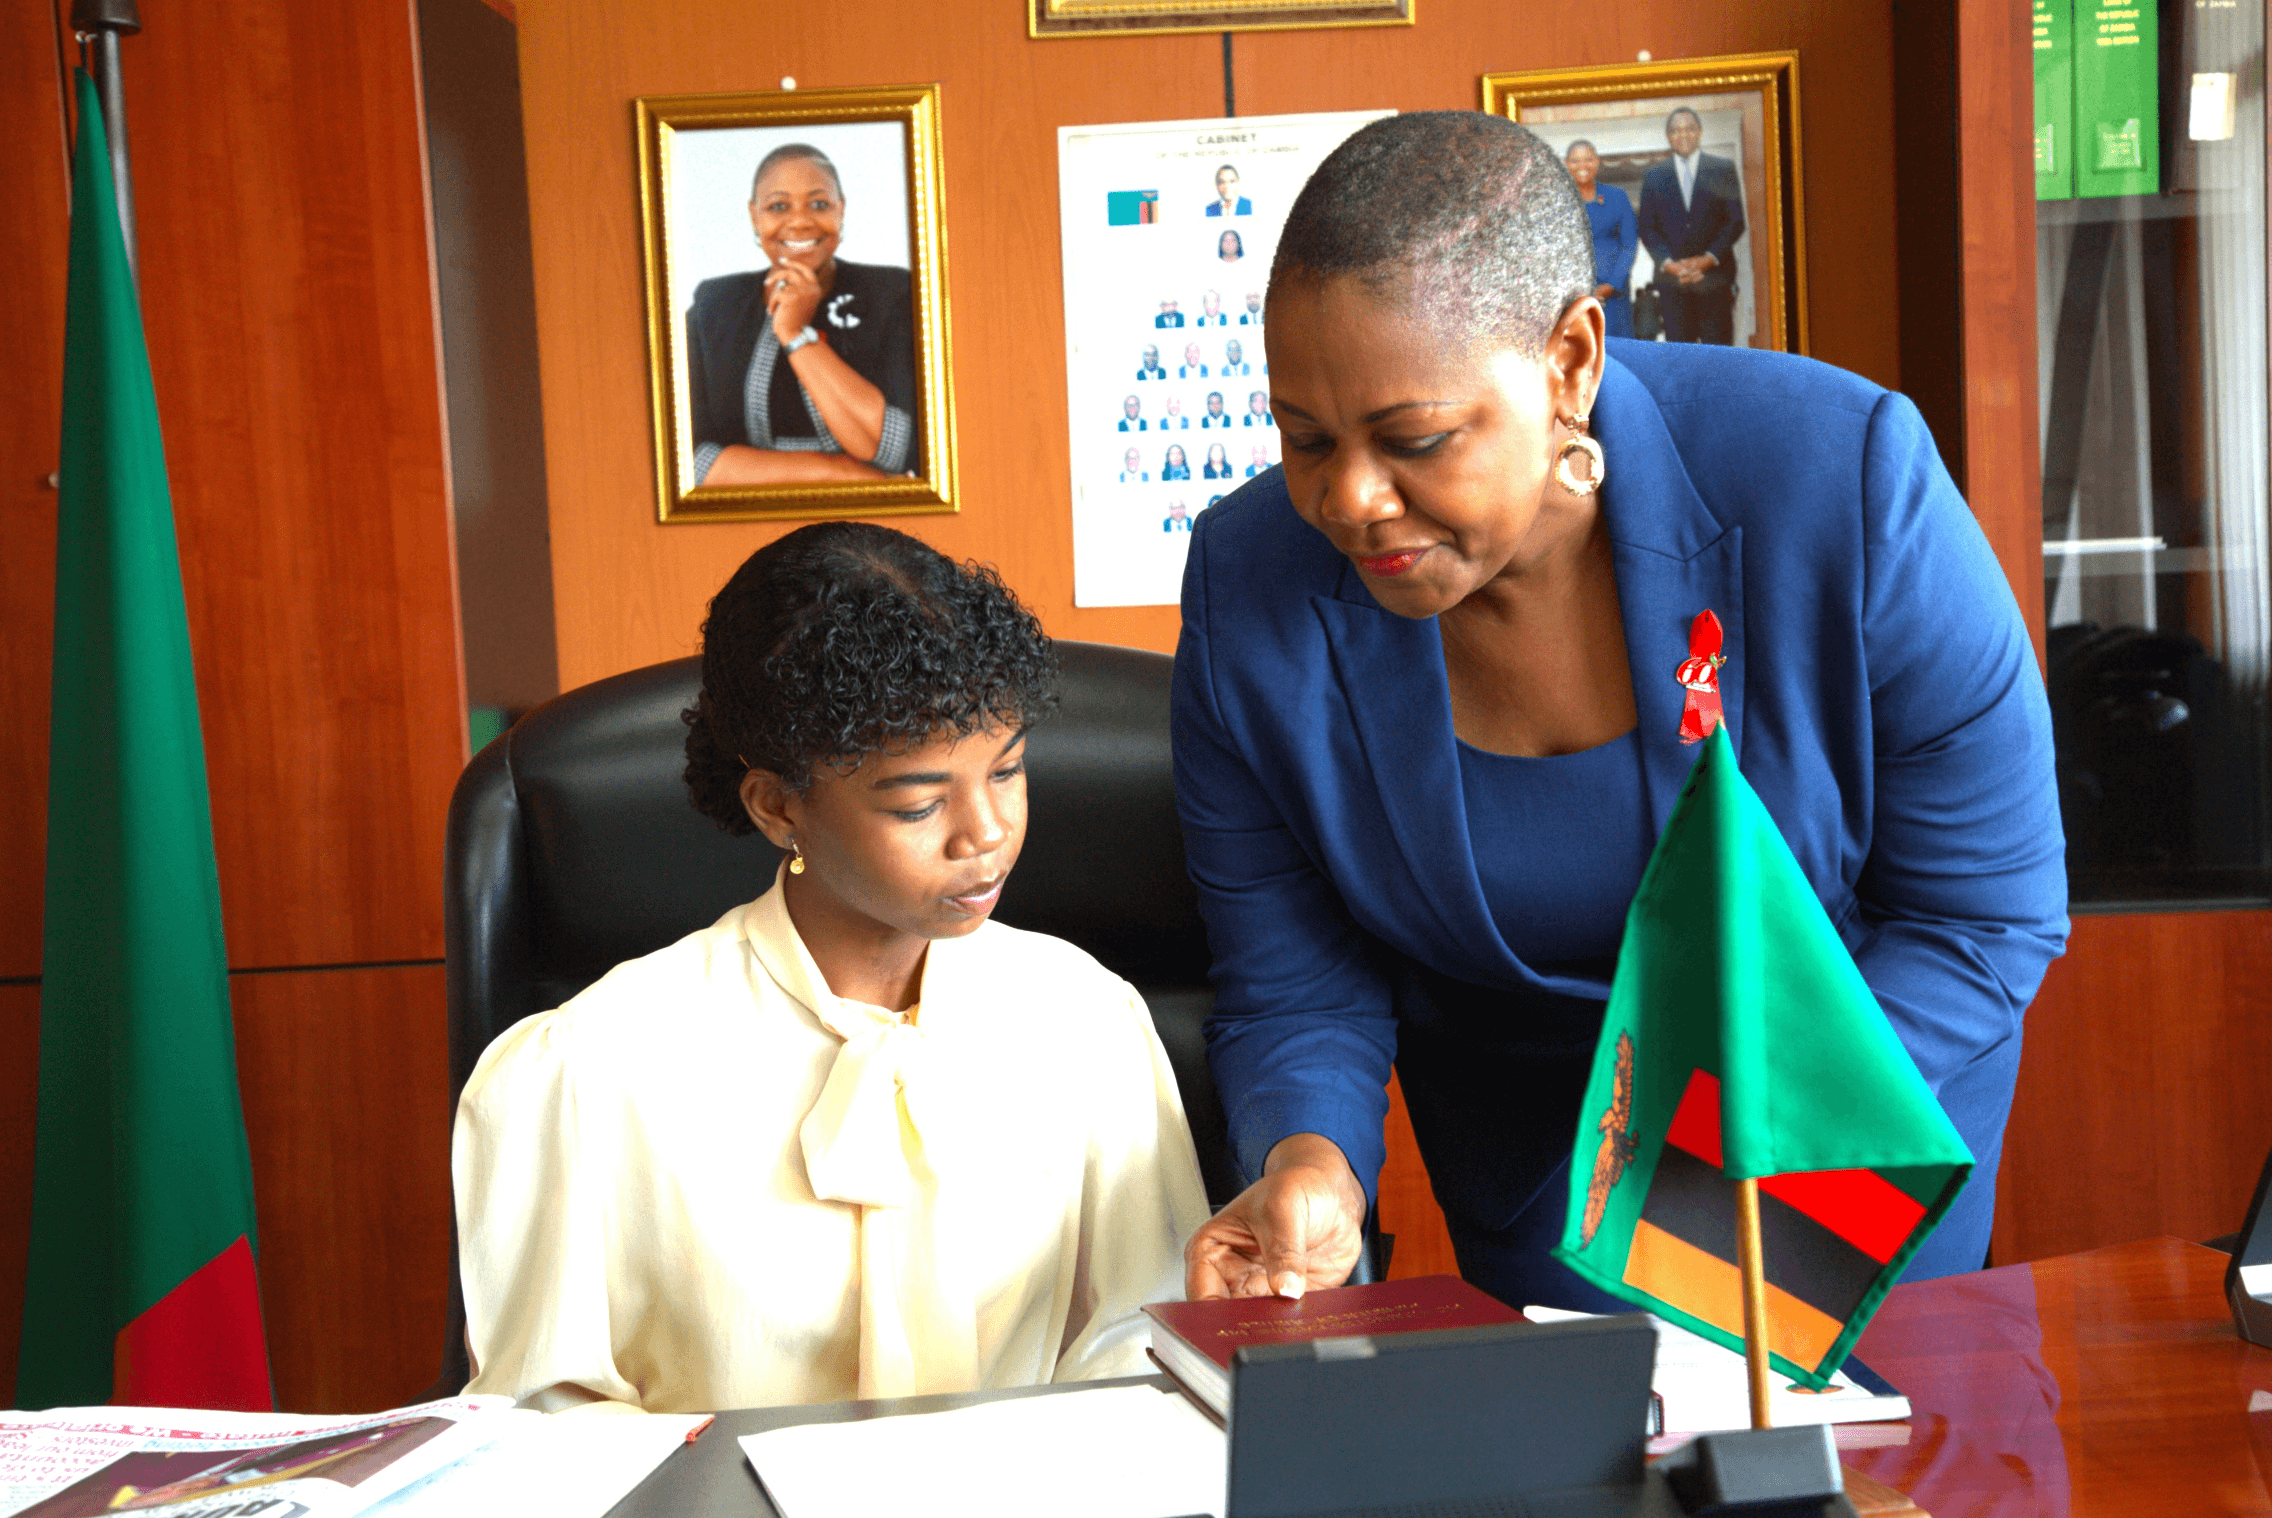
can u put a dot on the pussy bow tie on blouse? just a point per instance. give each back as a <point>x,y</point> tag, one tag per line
<point>875,1111</point>
<point>879,1138</point>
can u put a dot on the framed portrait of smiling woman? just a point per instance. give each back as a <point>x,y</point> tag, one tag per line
<point>796,304</point>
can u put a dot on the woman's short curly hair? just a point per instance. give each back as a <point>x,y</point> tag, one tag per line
<point>845,639</point>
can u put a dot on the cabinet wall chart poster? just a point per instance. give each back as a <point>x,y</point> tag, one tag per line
<point>1169,228</point>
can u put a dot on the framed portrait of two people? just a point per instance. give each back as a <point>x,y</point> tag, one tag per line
<point>797,331</point>
<point>1690,174</point>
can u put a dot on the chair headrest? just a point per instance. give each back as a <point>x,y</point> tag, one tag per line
<point>619,864</point>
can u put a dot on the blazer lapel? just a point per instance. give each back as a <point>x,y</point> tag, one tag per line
<point>1673,560</point>
<point>1391,671</point>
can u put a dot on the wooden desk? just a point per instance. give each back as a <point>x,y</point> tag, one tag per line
<point>2102,1383</point>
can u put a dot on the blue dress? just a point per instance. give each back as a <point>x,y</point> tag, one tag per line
<point>1616,236</point>
<point>1559,846</point>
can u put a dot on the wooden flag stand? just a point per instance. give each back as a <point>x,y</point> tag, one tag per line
<point>1764,1469</point>
<point>1867,1498</point>
<point>1754,1269</point>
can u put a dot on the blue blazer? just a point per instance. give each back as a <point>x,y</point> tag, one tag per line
<point>1881,694</point>
<point>1616,236</point>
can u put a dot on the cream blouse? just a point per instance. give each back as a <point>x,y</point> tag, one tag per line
<point>708,1183</point>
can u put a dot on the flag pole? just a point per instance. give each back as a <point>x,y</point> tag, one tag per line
<point>103,22</point>
<point>1750,1261</point>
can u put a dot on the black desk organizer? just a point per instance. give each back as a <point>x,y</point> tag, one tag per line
<point>2252,1315</point>
<point>1522,1420</point>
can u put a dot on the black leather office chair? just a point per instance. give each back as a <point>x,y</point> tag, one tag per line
<point>572,848</point>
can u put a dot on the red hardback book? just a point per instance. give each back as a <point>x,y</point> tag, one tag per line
<point>1195,1340</point>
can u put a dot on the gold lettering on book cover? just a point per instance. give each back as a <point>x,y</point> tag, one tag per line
<point>1361,1319</point>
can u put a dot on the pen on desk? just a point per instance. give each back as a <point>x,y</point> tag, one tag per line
<point>695,1432</point>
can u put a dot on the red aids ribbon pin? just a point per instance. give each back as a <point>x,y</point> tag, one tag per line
<point>1700,673</point>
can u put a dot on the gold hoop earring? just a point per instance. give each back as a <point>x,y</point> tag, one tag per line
<point>1597,467</point>
<point>796,858</point>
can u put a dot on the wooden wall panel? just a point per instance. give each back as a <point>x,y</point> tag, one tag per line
<point>288,300</point>
<point>2003,462</point>
<point>345,1077</point>
<point>288,305</point>
<point>346,1090</point>
<point>2145,1097</point>
<point>289,310</point>
<point>630,592</point>
<point>19,1087</point>
<point>1846,105</point>
<point>36,188</point>
<point>1928,218</point>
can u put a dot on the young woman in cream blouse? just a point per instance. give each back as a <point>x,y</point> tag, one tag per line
<point>852,1140</point>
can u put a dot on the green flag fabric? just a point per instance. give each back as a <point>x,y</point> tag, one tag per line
<point>141,1285</point>
<point>1742,1042</point>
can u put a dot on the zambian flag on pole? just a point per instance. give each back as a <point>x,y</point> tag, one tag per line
<point>141,1286</point>
<point>1741,1043</point>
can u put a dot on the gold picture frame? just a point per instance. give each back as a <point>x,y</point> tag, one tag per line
<point>1751,101</point>
<point>698,156</point>
<point>1090,18</point>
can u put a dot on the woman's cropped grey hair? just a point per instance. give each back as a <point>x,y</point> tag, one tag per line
<point>1468,216</point>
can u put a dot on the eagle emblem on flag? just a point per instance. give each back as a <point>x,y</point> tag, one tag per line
<point>1616,1151</point>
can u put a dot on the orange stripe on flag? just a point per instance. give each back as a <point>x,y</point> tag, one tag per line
<point>1708,1287</point>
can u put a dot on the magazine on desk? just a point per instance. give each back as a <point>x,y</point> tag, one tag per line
<point>460,1455</point>
<point>83,1462</point>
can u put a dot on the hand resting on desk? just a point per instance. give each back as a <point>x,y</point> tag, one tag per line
<point>1301,1225</point>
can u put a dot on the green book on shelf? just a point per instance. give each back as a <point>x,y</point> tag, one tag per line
<point>2117,98</point>
<point>2054,38</point>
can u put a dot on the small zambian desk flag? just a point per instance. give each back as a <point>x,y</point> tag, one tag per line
<point>1741,1041</point>
<point>140,1286</point>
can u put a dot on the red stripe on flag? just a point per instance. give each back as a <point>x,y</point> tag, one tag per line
<point>201,1344</point>
<point>1860,1206</point>
<point>1696,1122</point>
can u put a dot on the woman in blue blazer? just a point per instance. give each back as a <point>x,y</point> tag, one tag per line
<point>1616,235</point>
<point>1427,719</point>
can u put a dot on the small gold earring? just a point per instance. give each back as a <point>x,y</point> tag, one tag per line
<point>1578,443</point>
<point>796,858</point>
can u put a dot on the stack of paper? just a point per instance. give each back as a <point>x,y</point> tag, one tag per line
<point>1702,1387</point>
<point>1111,1452</point>
<point>563,1466</point>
